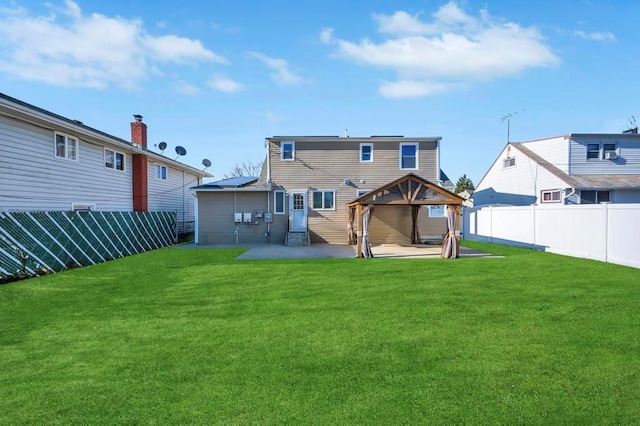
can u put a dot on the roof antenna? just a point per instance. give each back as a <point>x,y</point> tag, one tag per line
<point>346,133</point>
<point>508,118</point>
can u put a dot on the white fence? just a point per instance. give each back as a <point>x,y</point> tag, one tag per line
<point>606,232</point>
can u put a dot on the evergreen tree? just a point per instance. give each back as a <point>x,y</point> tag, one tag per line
<point>464,183</point>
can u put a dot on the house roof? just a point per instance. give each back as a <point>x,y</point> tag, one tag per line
<point>599,181</point>
<point>242,183</point>
<point>374,138</point>
<point>22,110</point>
<point>410,189</point>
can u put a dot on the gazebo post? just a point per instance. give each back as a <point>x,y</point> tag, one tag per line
<point>359,230</point>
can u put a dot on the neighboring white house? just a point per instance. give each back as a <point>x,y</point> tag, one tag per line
<point>53,163</point>
<point>579,168</point>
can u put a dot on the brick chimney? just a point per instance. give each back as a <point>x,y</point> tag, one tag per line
<point>139,132</point>
<point>139,169</point>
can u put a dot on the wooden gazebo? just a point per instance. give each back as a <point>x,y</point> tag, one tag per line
<point>410,190</point>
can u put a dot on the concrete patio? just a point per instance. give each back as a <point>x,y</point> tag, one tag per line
<point>334,251</point>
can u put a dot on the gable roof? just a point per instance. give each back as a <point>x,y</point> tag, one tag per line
<point>410,189</point>
<point>16,108</point>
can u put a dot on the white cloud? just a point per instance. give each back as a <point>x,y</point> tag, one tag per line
<point>597,36</point>
<point>451,50</point>
<point>282,75</point>
<point>224,84</point>
<point>326,35</point>
<point>185,88</point>
<point>97,51</point>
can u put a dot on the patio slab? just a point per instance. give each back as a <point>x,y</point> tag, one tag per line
<point>335,251</point>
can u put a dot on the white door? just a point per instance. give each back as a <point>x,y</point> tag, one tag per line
<point>298,211</point>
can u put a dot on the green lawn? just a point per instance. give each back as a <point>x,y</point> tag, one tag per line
<point>196,336</point>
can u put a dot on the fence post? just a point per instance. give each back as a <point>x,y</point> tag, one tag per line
<point>605,206</point>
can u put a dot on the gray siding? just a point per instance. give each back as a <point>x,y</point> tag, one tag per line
<point>628,161</point>
<point>34,179</point>
<point>324,165</point>
<point>173,194</point>
<point>625,196</point>
<point>216,218</point>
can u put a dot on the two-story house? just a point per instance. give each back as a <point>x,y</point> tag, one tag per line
<point>579,168</point>
<point>308,182</point>
<point>53,163</point>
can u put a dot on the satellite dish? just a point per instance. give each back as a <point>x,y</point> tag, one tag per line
<point>180,151</point>
<point>206,163</point>
<point>162,146</point>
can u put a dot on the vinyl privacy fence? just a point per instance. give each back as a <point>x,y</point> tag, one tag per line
<point>34,243</point>
<point>606,232</point>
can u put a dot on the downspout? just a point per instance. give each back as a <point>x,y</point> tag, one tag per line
<point>268,147</point>
<point>195,208</point>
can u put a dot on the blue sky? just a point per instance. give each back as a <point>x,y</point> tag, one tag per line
<point>218,77</point>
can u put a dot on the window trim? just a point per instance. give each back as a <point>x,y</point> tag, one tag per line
<point>293,150</point>
<point>361,192</point>
<point>417,156</point>
<point>66,146</point>
<point>370,145</point>
<point>161,166</point>
<point>124,157</point>
<point>602,152</point>
<point>323,191</point>
<point>275,202</point>
<point>551,192</point>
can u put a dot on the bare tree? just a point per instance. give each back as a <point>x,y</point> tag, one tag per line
<point>247,168</point>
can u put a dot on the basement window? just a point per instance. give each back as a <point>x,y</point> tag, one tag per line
<point>66,147</point>
<point>551,196</point>
<point>83,207</point>
<point>113,160</point>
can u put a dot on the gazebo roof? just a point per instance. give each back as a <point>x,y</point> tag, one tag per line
<point>410,189</point>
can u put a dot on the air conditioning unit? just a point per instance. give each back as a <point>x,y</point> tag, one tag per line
<point>611,155</point>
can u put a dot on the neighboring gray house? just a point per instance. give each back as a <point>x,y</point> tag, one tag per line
<point>580,168</point>
<point>306,184</point>
<point>53,163</point>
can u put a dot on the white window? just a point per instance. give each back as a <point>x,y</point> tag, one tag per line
<point>324,200</point>
<point>593,151</point>
<point>288,151</point>
<point>161,172</point>
<point>437,211</point>
<point>366,153</point>
<point>409,156</point>
<point>66,147</point>
<point>278,202</point>
<point>551,196</point>
<point>83,207</point>
<point>361,192</point>
<point>508,162</point>
<point>113,160</point>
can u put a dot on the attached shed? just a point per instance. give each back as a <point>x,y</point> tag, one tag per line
<point>409,192</point>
